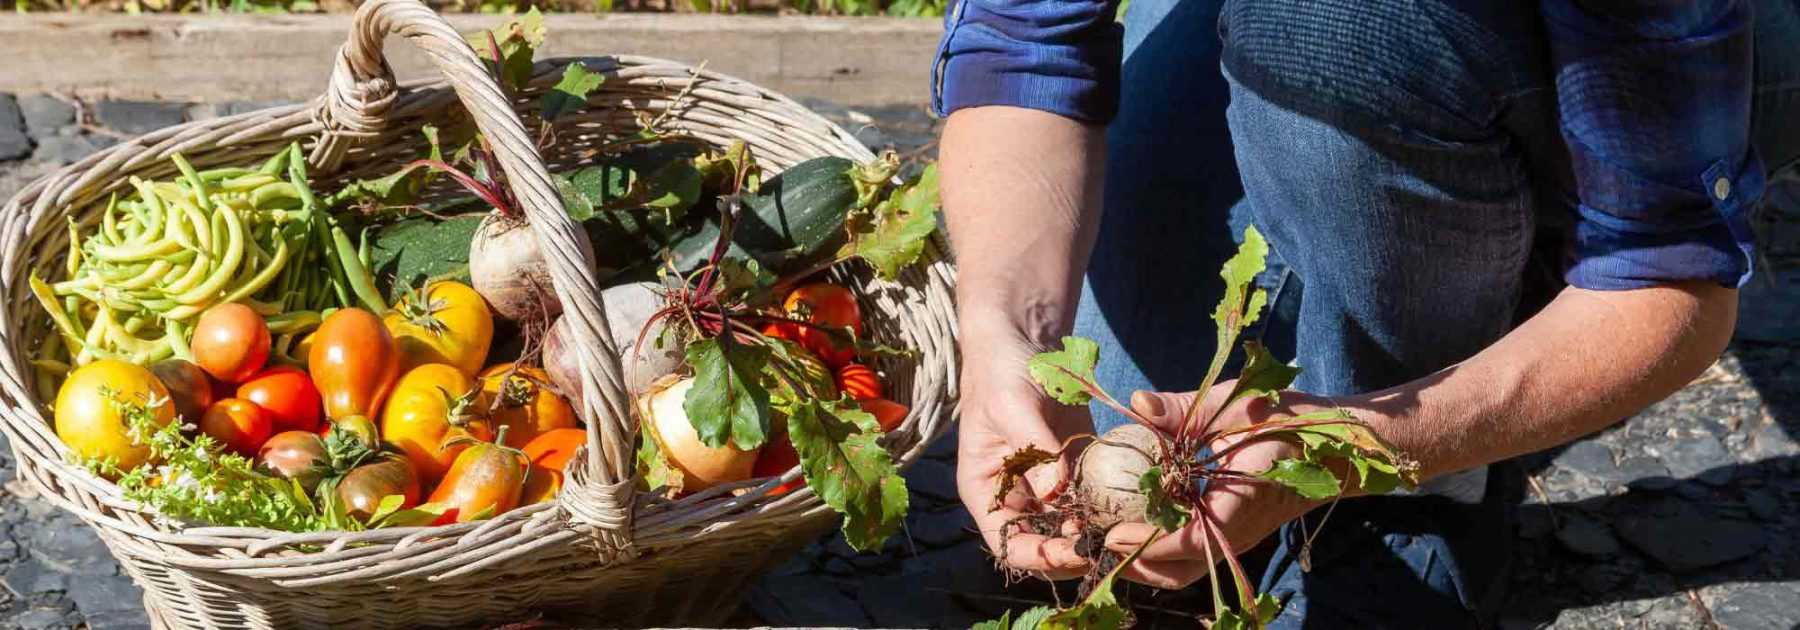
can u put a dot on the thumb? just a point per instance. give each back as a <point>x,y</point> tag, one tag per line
<point>1166,410</point>
<point>1050,479</point>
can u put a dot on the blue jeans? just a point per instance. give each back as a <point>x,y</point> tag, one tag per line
<point>1403,243</point>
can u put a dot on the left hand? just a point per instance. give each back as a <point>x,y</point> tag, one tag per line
<point>1247,511</point>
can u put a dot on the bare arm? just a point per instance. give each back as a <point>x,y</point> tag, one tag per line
<point>1586,361</point>
<point>1021,193</point>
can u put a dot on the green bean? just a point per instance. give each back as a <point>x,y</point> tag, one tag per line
<point>297,177</point>
<point>158,305</point>
<point>293,322</point>
<point>224,172</point>
<point>262,277</point>
<point>234,255</point>
<point>154,212</point>
<point>108,225</point>
<point>58,316</point>
<point>194,181</point>
<point>274,191</point>
<point>361,281</point>
<point>177,335</point>
<point>246,183</point>
<point>195,272</point>
<point>219,227</point>
<point>72,262</point>
<point>276,162</point>
<point>123,253</point>
<point>265,309</point>
<point>134,324</point>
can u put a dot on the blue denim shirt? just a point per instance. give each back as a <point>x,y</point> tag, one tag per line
<point>1654,98</point>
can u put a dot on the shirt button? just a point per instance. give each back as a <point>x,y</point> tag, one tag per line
<point>1721,188</point>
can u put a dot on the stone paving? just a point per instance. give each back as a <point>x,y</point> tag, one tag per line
<point>1684,516</point>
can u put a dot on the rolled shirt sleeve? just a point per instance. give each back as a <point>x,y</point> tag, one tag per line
<point>1655,107</point>
<point>1059,57</point>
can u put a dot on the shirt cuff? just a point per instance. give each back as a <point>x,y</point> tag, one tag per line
<point>1713,242</point>
<point>1058,57</point>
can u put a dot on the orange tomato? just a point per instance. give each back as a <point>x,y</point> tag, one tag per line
<point>485,481</point>
<point>239,425</point>
<point>859,381</point>
<point>230,342</point>
<point>288,395</point>
<point>829,306</point>
<point>549,454</point>
<point>522,403</point>
<point>354,363</point>
<point>888,414</point>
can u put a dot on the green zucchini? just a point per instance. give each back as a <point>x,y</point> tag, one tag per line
<point>795,219</point>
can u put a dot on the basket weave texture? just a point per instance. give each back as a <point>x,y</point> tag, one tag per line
<point>621,557</point>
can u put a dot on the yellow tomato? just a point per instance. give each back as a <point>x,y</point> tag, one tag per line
<point>432,405</point>
<point>523,403</point>
<point>88,417</point>
<point>447,323</point>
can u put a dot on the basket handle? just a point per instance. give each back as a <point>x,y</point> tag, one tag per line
<point>356,102</point>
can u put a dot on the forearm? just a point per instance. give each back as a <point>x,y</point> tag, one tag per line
<point>1021,192</point>
<point>1586,361</point>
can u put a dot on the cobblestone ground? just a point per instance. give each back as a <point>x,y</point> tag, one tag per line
<point>1681,517</point>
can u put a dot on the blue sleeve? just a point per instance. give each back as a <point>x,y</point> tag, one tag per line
<point>1059,57</point>
<point>1655,107</point>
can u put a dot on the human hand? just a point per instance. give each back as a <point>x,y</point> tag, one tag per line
<point>1004,411</point>
<point>1246,511</point>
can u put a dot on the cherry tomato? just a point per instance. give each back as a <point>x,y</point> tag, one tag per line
<point>362,489</point>
<point>190,388</point>
<point>293,455</point>
<point>830,306</point>
<point>888,414</point>
<point>231,342</point>
<point>550,454</point>
<point>288,395</point>
<point>238,424</point>
<point>354,362</point>
<point>859,381</point>
<point>776,458</point>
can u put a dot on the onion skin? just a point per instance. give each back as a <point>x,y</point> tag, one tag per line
<point>1108,475</point>
<point>701,466</point>
<point>507,267</point>
<point>628,307</point>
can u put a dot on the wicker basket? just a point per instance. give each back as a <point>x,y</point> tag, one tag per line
<point>619,557</point>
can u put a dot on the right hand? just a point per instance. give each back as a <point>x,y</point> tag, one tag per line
<point>1004,411</point>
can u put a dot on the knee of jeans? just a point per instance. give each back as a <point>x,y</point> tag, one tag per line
<point>1415,68</point>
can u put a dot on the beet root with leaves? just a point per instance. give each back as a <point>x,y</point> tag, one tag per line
<point>1146,472</point>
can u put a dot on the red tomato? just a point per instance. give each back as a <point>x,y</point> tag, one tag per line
<point>288,395</point>
<point>775,460</point>
<point>888,414</point>
<point>231,342</point>
<point>830,306</point>
<point>859,381</point>
<point>240,425</point>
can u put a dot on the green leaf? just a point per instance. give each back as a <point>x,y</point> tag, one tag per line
<point>675,186</point>
<point>584,190</point>
<point>420,516</point>
<point>1229,620</point>
<point>519,40</point>
<point>1266,608</point>
<point>571,92</point>
<point>1241,305</point>
<point>894,233</point>
<point>1307,478</point>
<point>743,277</point>
<point>1003,623</point>
<point>656,470</point>
<point>1263,375</point>
<point>1030,619</point>
<point>408,252</point>
<point>1160,509</point>
<point>1066,374</point>
<point>844,462</point>
<point>388,506</point>
<point>728,402</point>
<point>1334,433</point>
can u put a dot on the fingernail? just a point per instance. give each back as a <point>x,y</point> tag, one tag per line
<point>1147,403</point>
<point>1125,538</point>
